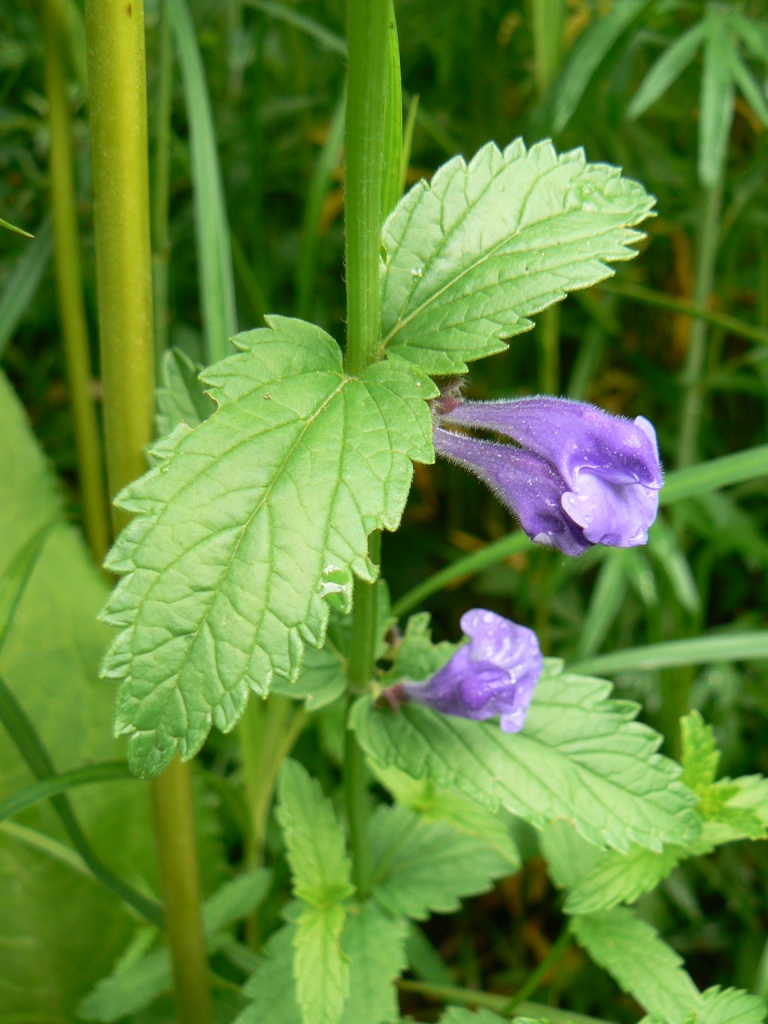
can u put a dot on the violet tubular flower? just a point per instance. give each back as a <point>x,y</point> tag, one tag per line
<point>579,477</point>
<point>494,674</point>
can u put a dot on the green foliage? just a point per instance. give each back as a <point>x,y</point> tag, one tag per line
<point>320,965</point>
<point>230,600</point>
<point>422,867</point>
<point>485,245</point>
<point>375,945</point>
<point>580,756</point>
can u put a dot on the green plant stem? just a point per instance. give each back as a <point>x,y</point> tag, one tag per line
<point>161,179</point>
<point>692,379</point>
<point>117,78</point>
<point>539,975</point>
<point>356,803</point>
<point>471,997</point>
<point>367,34</point>
<point>69,283</point>
<point>548,17</point>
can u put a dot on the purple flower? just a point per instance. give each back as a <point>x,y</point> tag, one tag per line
<point>494,674</point>
<point>580,476</point>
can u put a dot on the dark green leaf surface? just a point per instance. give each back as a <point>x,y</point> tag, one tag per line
<point>580,757</point>
<point>252,520</point>
<point>485,245</point>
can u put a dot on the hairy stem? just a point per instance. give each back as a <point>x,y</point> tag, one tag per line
<point>367,27</point>
<point>117,82</point>
<point>69,285</point>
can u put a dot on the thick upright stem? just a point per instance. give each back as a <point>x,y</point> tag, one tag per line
<point>690,416</point>
<point>117,83</point>
<point>161,177</point>
<point>69,284</point>
<point>367,27</point>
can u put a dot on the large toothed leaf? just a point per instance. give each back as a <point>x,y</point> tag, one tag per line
<point>580,757</point>
<point>248,523</point>
<point>484,246</point>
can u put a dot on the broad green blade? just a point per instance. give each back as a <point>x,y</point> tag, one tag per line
<point>250,525</point>
<point>717,95</point>
<point>667,69</point>
<point>484,246</point>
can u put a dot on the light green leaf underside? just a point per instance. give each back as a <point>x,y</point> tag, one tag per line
<point>180,395</point>
<point>484,246</point>
<point>320,967</point>
<point>580,757</point>
<point>641,962</point>
<point>250,521</point>
<point>420,867</point>
<point>727,1006</point>
<point>313,837</point>
<point>375,945</point>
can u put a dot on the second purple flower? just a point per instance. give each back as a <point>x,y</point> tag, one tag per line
<point>579,477</point>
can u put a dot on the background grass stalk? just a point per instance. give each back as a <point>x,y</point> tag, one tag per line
<point>69,284</point>
<point>692,379</point>
<point>118,116</point>
<point>161,178</point>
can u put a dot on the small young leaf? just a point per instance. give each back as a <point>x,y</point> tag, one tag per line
<point>375,945</point>
<point>421,866</point>
<point>181,397</point>
<point>416,657</point>
<point>579,756</point>
<point>320,967</point>
<point>700,756</point>
<point>482,247</point>
<point>250,522</point>
<point>727,1006</point>
<point>645,966</point>
<point>313,838</point>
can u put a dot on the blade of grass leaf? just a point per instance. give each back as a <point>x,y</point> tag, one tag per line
<point>31,748</point>
<point>702,650</point>
<point>212,227</point>
<point>327,39</point>
<point>23,282</point>
<point>55,784</point>
<point>15,578</point>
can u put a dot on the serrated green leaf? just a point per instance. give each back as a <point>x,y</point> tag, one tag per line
<point>717,94</point>
<point>669,66</point>
<point>580,757</point>
<point>461,813</point>
<point>229,562</point>
<point>375,945</point>
<point>622,879</point>
<point>321,681</point>
<point>320,966</point>
<point>313,837</point>
<point>482,247</point>
<point>727,1006</point>
<point>643,965</point>
<point>700,756</point>
<point>180,396</point>
<point>421,867</point>
<point>272,986</point>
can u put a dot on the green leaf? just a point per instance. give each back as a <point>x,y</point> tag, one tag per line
<point>12,227</point>
<point>421,867</point>
<point>15,576</point>
<point>700,756</point>
<point>320,965</point>
<point>23,281</point>
<point>416,657</point>
<point>313,838</point>
<point>643,965</point>
<point>750,89</point>
<point>272,987</point>
<point>434,804</point>
<point>669,66</point>
<point>580,757</point>
<point>570,858</point>
<point>375,945</point>
<point>482,247</point>
<point>60,930</point>
<point>180,397</point>
<point>228,559</point>
<point>717,95</point>
<point>458,1015</point>
<point>622,879</point>
<point>727,1006</point>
